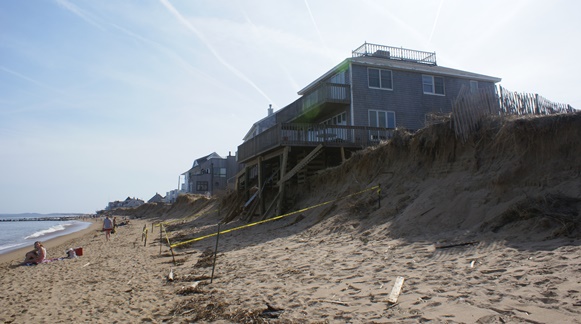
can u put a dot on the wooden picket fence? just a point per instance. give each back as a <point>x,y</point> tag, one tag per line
<point>470,107</point>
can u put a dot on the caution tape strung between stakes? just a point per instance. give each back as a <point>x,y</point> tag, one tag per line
<point>270,219</point>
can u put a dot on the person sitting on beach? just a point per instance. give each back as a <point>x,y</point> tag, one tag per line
<point>37,255</point>
<point>107,227</point>
<point>114,225</point>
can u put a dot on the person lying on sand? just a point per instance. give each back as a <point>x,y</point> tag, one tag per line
<point>37,255</point>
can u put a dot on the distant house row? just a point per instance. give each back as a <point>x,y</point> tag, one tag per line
<point>127,203</point>
<point>356,104</point>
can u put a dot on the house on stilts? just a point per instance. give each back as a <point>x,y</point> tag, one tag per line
<point>356,104</point>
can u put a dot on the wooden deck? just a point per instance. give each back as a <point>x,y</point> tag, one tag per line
<point>307,135</point>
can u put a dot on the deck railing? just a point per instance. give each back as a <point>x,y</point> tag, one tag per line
<point>325,92</point>
<point>312,135</point>
<point>395,53</point>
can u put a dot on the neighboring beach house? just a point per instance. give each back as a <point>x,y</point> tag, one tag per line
<point>209,174</point>
<point>157,198</point>
<point>356,104</point>
<point>127,203</point>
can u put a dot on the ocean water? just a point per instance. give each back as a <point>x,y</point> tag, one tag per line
<point>18,234</point>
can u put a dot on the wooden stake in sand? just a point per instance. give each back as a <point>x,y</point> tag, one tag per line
<point>215,253</point>
<point>379,196</point>
<point>173,257</point>
<point>144,235</point>
<point>395,291</point>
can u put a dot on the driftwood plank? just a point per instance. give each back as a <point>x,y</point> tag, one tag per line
<point>333,302</point>
<point>444,246</point>
<point>396,290</point>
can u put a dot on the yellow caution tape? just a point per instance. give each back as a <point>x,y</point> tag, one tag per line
<point>268,220</point>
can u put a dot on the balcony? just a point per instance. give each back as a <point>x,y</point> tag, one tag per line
<point>327,92</point>
<point>324,94</point>
<point>305,135</point>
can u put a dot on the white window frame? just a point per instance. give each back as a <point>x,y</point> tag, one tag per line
<point>432,84</point>
<point>380,85</point>
<point>387,115</point>
<point>339,119</point>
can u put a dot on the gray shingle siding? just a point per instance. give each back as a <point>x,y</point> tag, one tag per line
<point>407,98</point>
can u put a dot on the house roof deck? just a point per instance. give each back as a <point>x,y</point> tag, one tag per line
<point>381,56</point>
<point>395,53</point>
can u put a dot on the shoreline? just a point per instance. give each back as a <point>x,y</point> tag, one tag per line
<point>19,253</point>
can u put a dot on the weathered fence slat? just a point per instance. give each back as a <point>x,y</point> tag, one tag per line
<point>469,108</point>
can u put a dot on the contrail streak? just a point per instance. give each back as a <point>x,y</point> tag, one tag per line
<point>435,22</point>
<point>158,46</point>
<point>24,77</point>
<point>77,11</point>
<point>267,49</point>
<point>315,23</point>
<point>194,30</point>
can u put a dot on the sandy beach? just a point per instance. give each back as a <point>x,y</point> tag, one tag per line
<point>284,272</point>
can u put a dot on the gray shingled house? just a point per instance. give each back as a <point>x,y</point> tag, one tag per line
<point>356,104</point>
<point>210,174</point>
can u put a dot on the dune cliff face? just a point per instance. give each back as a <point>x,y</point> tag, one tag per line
<point>484,231</point>
<point>514,177</point>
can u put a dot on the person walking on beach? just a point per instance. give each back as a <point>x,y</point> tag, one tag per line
<point>37,255</point>
<point>107,227</point>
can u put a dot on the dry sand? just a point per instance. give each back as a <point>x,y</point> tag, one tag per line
<point>486,231</point>
<point>312,278</point>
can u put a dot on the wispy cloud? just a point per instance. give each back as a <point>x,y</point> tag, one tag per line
<point>404,26</point>
<point>79,12</point>
<point>31,80</point>
<point>177,58</point>
<point>315,23</point>
<point>202,38</point>
<point>268,49</point>
<point>435,22</point>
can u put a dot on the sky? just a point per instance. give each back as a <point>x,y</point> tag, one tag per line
<point>104,100</point>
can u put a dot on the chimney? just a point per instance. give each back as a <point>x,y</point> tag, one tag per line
<point>269,109</point>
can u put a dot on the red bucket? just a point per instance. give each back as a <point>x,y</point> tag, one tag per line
<point>78,251</point>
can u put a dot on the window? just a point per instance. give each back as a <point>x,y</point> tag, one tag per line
<point>433,85</point>
<point>336,120</point>
<point>380,79</point>
<point>338,78</point>
<point>201,185</point>
<point>382,118</point>
<point>335,133</point>
<point>473,86</point>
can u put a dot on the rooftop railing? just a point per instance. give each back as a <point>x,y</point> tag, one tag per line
<point>395,53</point>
